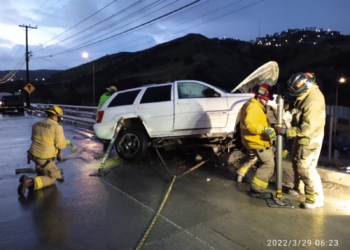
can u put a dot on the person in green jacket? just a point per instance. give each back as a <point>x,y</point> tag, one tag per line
<point>104,97</point>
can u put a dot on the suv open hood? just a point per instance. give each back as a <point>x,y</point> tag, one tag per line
<point>267,73</point>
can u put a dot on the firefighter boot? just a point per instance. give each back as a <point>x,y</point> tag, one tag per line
<point>312,201</point>
<point>25,182</point>
<point>260,195</point>
<point>311,205</point>
<point>61,178</point>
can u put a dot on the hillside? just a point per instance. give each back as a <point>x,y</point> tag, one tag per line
<point>34,74</point>
<point>223,63</point>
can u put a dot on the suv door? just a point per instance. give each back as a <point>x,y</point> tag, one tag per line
<point>156,107</point>
<point>199,105</point>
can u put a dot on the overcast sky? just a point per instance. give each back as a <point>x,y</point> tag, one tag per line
<point>67,28</point>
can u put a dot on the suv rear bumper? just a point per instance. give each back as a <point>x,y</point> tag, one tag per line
<point>104,131</point>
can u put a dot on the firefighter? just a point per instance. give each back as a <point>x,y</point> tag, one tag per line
<point>307,131</point>
<point>47,140</point>
<point>104,97</point>
<point>256,134</point>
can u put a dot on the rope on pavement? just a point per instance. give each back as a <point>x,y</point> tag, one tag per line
<point>147,232</point>
<point>142,241</point>
<point>161,159</point>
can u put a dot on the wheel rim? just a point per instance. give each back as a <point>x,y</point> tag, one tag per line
<point>129,144</point>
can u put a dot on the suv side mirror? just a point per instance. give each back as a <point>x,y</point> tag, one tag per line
<point>210,93</point>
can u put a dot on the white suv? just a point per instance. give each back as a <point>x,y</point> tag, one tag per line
<point>183,112</point>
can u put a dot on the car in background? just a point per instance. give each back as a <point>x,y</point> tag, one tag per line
<point>11,103</point>
<point>179,114</point>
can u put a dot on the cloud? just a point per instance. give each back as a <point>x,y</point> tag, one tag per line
<point>57,21</point>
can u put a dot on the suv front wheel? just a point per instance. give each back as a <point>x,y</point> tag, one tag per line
<point>131,144</point>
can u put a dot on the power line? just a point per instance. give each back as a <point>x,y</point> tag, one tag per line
<point>54,62</point>
<point>120,21</point>
<point>128,30</point>
<point>38,10</point>
<point>178,14</point>
<point>138,2</point>
<point>56,11</point>
<point>225,7</point>
<point>81,21</point>
<point>12,73</point>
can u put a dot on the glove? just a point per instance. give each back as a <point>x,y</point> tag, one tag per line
<point>280,130</point>
<point>68,143</point>
<point>291,132</point>
<point>270,132</point>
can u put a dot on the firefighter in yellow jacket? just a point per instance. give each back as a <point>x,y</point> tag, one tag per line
<point>256,136</point>
<point>307,131</point>
<point>47,139</point>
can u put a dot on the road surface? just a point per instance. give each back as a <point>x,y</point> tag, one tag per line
<point>206,209</point>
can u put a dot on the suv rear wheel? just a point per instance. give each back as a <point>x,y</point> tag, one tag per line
<point>131,144</point>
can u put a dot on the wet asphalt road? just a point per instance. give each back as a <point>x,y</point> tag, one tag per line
<point>206,209</point>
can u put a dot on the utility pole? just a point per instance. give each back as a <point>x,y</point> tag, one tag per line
<point>27,60</point>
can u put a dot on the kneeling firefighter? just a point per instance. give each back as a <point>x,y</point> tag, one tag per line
<point>256,134</point>
<point>47,140</point>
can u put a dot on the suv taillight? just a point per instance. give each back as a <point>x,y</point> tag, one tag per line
<point>99,116</point>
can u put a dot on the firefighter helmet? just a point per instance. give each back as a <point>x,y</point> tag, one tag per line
<point>264,91</point>
<point>298,83</point>
<point>54,110</point>
<point>112,89</point>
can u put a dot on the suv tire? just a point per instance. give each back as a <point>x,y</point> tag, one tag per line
<point>131,144</point>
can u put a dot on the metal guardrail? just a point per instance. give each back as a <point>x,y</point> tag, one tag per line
<point>86,115</point>
<point>79,115</point>
<point>340,112</point>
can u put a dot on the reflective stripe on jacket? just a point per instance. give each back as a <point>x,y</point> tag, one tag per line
<point>47,138</point>
<point>310,117</point>
<point>253,120</point>
<point>103,99</point>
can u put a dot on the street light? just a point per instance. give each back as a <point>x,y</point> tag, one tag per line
<point>86,55</point>
<point>341,80</point>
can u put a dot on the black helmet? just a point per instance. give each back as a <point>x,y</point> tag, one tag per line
<point>298,83</point>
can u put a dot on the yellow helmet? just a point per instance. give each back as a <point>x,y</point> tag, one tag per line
<point>54,110</point>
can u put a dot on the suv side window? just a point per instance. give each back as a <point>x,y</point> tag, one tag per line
<point>157,94</point>
<point>126,98</point>
<point>190,90</point>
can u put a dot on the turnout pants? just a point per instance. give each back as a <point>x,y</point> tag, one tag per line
<point>47,174</point>
<point>304,160</point>
<point>261,178</point>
